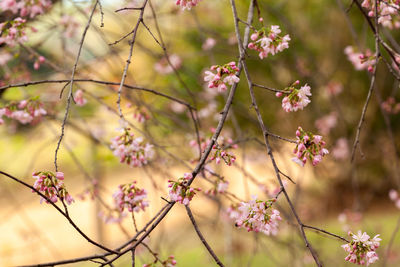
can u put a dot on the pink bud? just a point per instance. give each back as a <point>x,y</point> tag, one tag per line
<point>278,94</point>
<point>254,36</point>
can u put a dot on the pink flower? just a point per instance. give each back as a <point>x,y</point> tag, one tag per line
<point>130,197</point>
<point>187,4</point>
<point>52,186</point>
<point>80,101</point>
<point>131,150</point>
<point>208,44</point>
<point>258,216</point>
<point>26,111</point>
<point>341,149</point>
<point>225,74</point>
<point>269,41</point>
<point>295,99</point>
<point>360,61</point>
<point>309,146</point>
<point>165,67</point>
<point>180,191</point>
<point>326,123</point>
<point>362,248</point>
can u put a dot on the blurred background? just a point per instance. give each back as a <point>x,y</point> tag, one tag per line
<point>337,195</point>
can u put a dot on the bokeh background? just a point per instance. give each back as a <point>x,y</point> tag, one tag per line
<point>337,195</point>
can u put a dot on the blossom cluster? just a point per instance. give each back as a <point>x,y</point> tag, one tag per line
<point>38,61</point>
<point>25,111</point>
<point>294,98</point>
<point>187,4</point>
<point>131,150</point>
<point>13,32</point>
<point>308,146</point>
<point>394,196</point>
<point>30,8</point>
<point>390,106</point>
<point>360,61</point>
<point>131,197</point>
<point>179,190</point>
<point>388,12</point>
<point>269,41</point>
<point>170,262</point>
<point>258,216</point>
<point>362,248</point>
<point>225,74</point>
<point>52,186</point>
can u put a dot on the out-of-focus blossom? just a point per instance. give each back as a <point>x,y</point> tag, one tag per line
<point>26,8</point>
<point>25,111</point>
<point>79,99</point>
<point>70,26</point>
<point>170,262</point>
<point>187,4</point>
<point>326,123</point>
<point>208,44</point>
<point>390,106</point>
<point>341,149</point>
<point>163,67</point>
<point>360,61</point>
<point>394,196</point>
<point>13,32</point>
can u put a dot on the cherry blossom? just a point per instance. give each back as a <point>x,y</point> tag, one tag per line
<point>258,216</point>
<point>294,98</point>
<point>269,41</point>
<point>131,197</point>
<point>388,12</point>
<point>25,111</point>
<point>70,26</point>
<point>394,196</point>
<point>208,44</point>
<point>78,97</point>
<point>360,61</point>
<point>225,74</point>
<point>13,32</point>
<point>187,4</point>
<point>26,8</point>
<point>362,248</point>
<point>326,123</point>
<point>52,186</point>
<point>180,191</point>
<point>131,150</point>
<point>341,149</point>
<point>308,146</point>
<point>390,106</point>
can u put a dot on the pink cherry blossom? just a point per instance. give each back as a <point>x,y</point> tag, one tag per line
<point>269,41</point>
<point>26,111</point>
<point>78,97</point>
<point>131,197</point>
<point>131,150</point>
<point>179,190</point>
<point>208,44</point>
<point>52,186</point>
<point>258,216</point>
<point>225,74</point>
<point>360,61</point>
<point>362,248</point>
<point>308,146</point>
<point>294,98</point>
<point>187,4</point>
